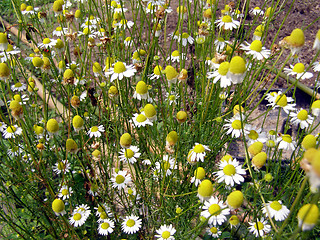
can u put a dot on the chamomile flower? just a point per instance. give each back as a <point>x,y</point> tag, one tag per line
<point>213,232</point>
<point>276,210</point>
<point>256,50</point>
<point>140,120</point>
<point>129,154</point>
<point>131,224</point>
<point>256,11</point>
<point>199,175</point>
<point>120,70</point>
<point>301,118</point>
<point>185,39</point>
<point>220,44</point>
<point>166,165</point>
<point>61,167</point>
<point>58,207</point>
<point>165,232</point>
<point>171,74</point>
<point>235,126</point>
<point>281,100</point>
<point>47,43</point>
<point>308,216</point>
<point>237,69</point>
<point>59,31</point>
<point>83,208</point>
<point>315,108</point>
<point>65,192</point>
<point>260,227</point>
<point>230,172</point>
<point>215,211</point>
<point>120,180</point>
<point>78,218</point>
<point>227,23</point>
<point>198,153</point>
<point>172,97</point>
<point>221,74</point>
<point>106,227</point>
<point>103,209</point>
<point>316,67</point>
<point>255,134</point>
<point>298,70</point>
<point>128,42</point>
<point>18,87</point>
<point>295,41</point>
<point>3,41</point>
<point>3,126</point>
<point>205,190</point>
<point>286,143</point>
<point>234,221</point>
<point>12,131</point>
<point>141,91</point>
<point>96,131</point>
<point>156,72</point>
<point>316,44</point>
<point>176,56</point>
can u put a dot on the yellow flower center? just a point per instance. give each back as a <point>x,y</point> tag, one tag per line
<point>171,72</point>
<point>128,153</point>
<point>94,129</point>
<point>229,170</point>
<point>130,223</point>
<point>141,118</point>
<point>175,53</point>
<point>125,140</point>
<point>226,19</point>
<point>59,29</point>
<point>205,188</point>
<point>234,220</point>
<point>275,205</point>
<point>198,148</point>
<point>149,111</point>
<point>253,135</point>
<point>29,8</point>
<point>157,70</point>
<point>309,213</point>
<point>46,41</point>
<point>200,173</point>
<point>256,45</point>
<point>103,215</point>
<point>64,192</point>
<point>166,165</point>
<point>256,8</point>
<point>235,199</point>
<point>77,121</point>
<point>141,88</point>
<point>302,115</point>
<point>120,179</point>
<point>58,205</point>
<point>236,124</point>
<point>105,225</point>
<point>214,230</point>
<point>237,65</point>
<point>119,67</point>
<point>11,129</point>
<point>281,100</point>
<point>223,68</point>
<point>185,35</point>
<point>296,38</point>
<point>77,216</point>
<point>214,209</point>
<point>37,62</point>
<point>172,97</point>
<point>287,138</point>
<point>165,235</point>
<point>298,68</point>
<point>259,226</point>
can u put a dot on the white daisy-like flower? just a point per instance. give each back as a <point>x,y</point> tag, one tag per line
<point>103,209</point>
<point>185,38</point>
<point>176,57</point>
<point>256,11</point>
<point>281,100</point>
<point>213,232</point>
<point>65,192</point>
<point>3,126</point>
<point>73,66</point>
<point>298,70</point>
<point>255,134</point>
<point>106,227</point>
<point>256,50</point>
<point>78,218</point>
<point>131,224</point>
<point>12,131</point>
<point>120,180</point>
<point>221,74</point>
<point>128,42</point>
<point>96,131</point>
<point>15,150</point>
<point>172,97</point>
<point>165,232</point>
<point>215,211</point>
<point>84,208</point>
<point>301,118</point>
<point>125,24</point>
<point>61,167</point>
<point>129,154</point>
<point>30,11</point>
<point>166,165</point>
<point>198,153</point>
<point>260,227</point>
<point>18,87</point>
<point>120,70</point>
<point>276,210</point>
<point>286,143</point>
<point>156,72</point>
<point>220,44</point>
<point>230,172</point>
<point>316,66</point>
<point>199,175</point>
<point>94,190</point>
<point>235,126</point>
<point>141,92</point>
<point>140,120</point>
<point>227,23</point>
<point>47,43</point>
<point>59,31</point>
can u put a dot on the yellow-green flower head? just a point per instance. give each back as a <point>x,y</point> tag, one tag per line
<point>235,199</point>
<point>309,155</point>
<point>77,14</point>
<point>207,13</point>
<point>237,108</point>
<point>37,62</point>
<point>255,148</point>
<point>268,12</point>
<point>181,9</point>
<point>58,206</point>
<point>259,160</point>
<point>108,62</point>
<point>309,141</point>
<point>256,45</point>
<point>61,64</point>
<point>59,44</point>
<point>23,7</point>
<point>224,68</point>
<point>281,100</point>
<point>316,164</point>
<point>172,138</point>
<point>96,154</point>
<point>226,157</point>
<point>96,68</point>
<point>4,71</point>
<point>182,116</point>
<point>141,88</point>
<point>31,86</point>
<point>52,126</point>
<point>38,129</point>
<point>296,38</point>
<point>226,19</point>
<point>315,108</point>
<point>77,122</point>
<point>57,6</point>
<point>46,63</point>
<point>237,65</point>
<point>113,91</point>
<point>68,76</point>
<point>316,44</point>
<point>171,73</point>
<point>268,177</point>
<point>3,41</point>
<point>125,140</point>
<point>157,70</point>
<point>259,31</point>
<point>234,220</point>
<point>15,105</point>
<point>205,189</point>
<point>71,145</point>
<point>150,111</point>
<point>199,173</point>
<point>308,216</point>
<point>298,68</point>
